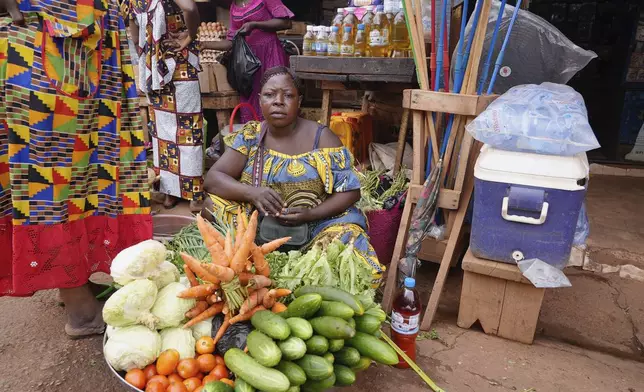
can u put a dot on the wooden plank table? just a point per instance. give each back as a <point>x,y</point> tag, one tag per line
<point>354,73</point>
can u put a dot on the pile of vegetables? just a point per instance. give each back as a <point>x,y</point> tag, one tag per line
<point>379,191</point>
<point>327,264</point>
<point>321,340</point>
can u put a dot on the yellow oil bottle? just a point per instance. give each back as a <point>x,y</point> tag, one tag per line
<point>360,47</point>
<point>338,19</point>
<point>400,36</point>
<point>322,41</point>
<point>380,34</point>
<point>347,48</point>
<point>333,47</point>
<point>350,20</point>
<point>308,46</point>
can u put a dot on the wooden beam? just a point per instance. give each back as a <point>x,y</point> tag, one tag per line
<point>440,102</point>
<point>327,98</point>
<point>402,140</point>
<point>354,65</point>
<point>447,198</point>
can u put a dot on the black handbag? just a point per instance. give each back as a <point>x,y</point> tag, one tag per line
<point>269,228</point>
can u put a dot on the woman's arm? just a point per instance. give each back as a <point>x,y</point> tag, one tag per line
<point>191,16</point>
<point>223,45</point>
<point>271,25</point>
<point>133,28</point>
<point>221,180</point>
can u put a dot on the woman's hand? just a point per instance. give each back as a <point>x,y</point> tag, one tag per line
<point>246,29</point>
<point>11,6</point>
<point>178,40</point>
<point>296,216</point>
<point>267,201</point>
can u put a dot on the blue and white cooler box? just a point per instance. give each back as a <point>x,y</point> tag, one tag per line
<point>526,205</point>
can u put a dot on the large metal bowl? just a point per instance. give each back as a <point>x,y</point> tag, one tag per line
<point>166,226</point>
<point>119,375</point>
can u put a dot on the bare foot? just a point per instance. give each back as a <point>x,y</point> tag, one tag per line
<point>170,202</point>
<point>84,312</point>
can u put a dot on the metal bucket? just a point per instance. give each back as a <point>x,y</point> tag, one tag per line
<point>119,375</point>
<point>166,226</point>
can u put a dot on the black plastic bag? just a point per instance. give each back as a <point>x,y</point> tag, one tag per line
<point>235,335</point>
<point>242,66</point>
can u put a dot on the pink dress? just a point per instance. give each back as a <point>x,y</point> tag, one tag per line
<point>265,45</point>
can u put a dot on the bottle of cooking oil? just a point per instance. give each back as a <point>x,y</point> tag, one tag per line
<point>400,35</point>
<point>333,48</point>
<point>379,36</point>
<point>361,41</point>
<point>339,18</point>
<point>347,49</point>
<point>351,20</point>
<point>389,11</point>
<point>367,18</point>
<point>308,45</point>
<point>322,42</point>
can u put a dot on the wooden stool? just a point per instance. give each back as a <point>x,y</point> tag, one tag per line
<point>497,295</point>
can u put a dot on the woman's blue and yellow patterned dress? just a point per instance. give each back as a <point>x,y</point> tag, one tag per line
<point>305,180</point>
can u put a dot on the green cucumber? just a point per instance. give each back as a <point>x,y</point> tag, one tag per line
<point>377,313</point>
<point>300,328</point>
<point>258,376</point>
<point>332,294</point>
<point>304,306</point>
<point>321,385</point>
<point>348,356</point>
<point>344,376</point>
<point>271,324</point>
<point>332,327</point>
<point>352,323</point>
<point>362,365</point>
<point>294,373</point>
<point>366,300</point>
<point>329,357</point>
<point>243,386</point>
<point>292,348</point>
<point>335,345</point>
<point>367,324</point>
<point>263,349</point>
<point>336,309</point>
<point>294,389</point>
<point>315,367</point>
<point>317,345</point>
<point>217,386</point>
<point>372,347</point>
<point>377,334</point>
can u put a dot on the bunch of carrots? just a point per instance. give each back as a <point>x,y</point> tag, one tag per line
<point>236,283</point>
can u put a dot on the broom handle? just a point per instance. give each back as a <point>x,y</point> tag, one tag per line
<point>490,53</point>
<point>499,59</point>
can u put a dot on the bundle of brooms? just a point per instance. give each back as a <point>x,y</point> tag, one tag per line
<point>236,282</point>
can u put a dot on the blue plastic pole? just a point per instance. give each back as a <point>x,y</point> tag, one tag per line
<point>490,53</point>
<point>499,59</point>
<point>458,68</point>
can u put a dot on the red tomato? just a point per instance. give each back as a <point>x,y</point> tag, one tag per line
<point>219,372</point>
<point>150,371</point>
<point>177,387</point>
<point>174,378</point>
<point>136,378</point>
<point>220,360</point>
<point>188,367</point>
<point>167,362</point>
<point>192,383</point>
<point>155,386</point>
<point>163,380</point>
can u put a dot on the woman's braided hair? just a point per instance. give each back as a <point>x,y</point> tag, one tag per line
<point>275,71</point>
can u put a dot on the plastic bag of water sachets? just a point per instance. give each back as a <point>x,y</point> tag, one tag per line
<point>545,119</point>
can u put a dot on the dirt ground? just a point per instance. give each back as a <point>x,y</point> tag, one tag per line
<point>601,312</point>
<point>36,356</point>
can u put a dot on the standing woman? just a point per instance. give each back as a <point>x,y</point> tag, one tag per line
<point>165,33</point>
<point>73,189</point>
<point>258,21</point>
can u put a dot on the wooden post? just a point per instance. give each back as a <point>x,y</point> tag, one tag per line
<point>402,137</point>
<point>327,98</point>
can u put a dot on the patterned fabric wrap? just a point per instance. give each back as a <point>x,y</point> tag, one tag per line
<point>171,83</point>
<point>73,189</point>
<point>305,180</point>
<point>265,45</point>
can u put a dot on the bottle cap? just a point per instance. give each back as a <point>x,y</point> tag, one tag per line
<point>350,10</point>
<point>340,10</point>
<point>361,26</point>
<point>370,8</point>
<point>410,283</point>
<point>347,29</point>
<point>335,29</point>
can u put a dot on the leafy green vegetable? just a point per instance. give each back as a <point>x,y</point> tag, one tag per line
<point>372,197</point>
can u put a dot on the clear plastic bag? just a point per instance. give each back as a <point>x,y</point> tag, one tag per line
<point>583,227</point>
<point>544,119</point>
<point>537,51</point>
<point>543,275</point>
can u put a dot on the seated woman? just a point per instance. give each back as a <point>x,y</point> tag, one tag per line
<point>307,177</point>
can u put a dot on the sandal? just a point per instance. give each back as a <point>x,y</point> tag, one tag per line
<point>82,333</point>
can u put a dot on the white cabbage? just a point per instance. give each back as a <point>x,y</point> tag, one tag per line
<point>131,305</point>
<point>179,339</point>
<point>202,329</point>
<point>166,273</point>
<point>169,309</point>
<point>140,261</point>
<point>132,348</point>
<point>109,330</point>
